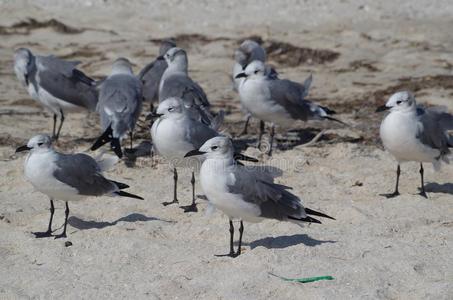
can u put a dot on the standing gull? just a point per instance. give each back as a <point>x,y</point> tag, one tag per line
<point>280,102</point>
<point>247,52</point>
<point>56,84</point>
<point>245,193</point>
<point>176,82</point>
<point>174,134</point>
<point>151,74</point>
<point>67,177</point>
<point>412,133</point>
<point>120,104</point>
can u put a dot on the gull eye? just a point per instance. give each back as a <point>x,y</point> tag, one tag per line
<point>256,71</point>
<point>40,144</point>
<point>398,102</point>
<point>171,109</point>
<point>213,148</point>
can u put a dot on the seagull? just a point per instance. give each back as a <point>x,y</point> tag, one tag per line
<point>175,82</point>
<point>67,177</point>
<point>245,193</point>
<point>247,52</point>
<point>280,102</point>
<point>151,74</point>
<point>56,84</point>
<point>413,133</point>
<point>120,105</point>
<point>174,134</point>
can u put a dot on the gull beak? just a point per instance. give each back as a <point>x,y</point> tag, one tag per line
<point>194,152</point>
<point>152,116</point>
<point>23,148</point>
<point>241,75</point>
<point>240,156</point>
<point>382,108</point>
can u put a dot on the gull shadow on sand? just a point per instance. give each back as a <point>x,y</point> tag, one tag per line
<point>446,188</point>
<point>83,225</point>
<point>285,241</point>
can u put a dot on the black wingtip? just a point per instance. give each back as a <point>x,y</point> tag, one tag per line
<point>240,156</point>
<point>129,195</point>
<point>116,147</point>
<point>103,139</point>
<point>309,211</point>
<point>307,219</point>
<point>335,120</point>
<point>120,185</point>
<point>328,110</point>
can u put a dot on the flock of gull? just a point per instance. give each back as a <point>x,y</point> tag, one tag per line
<point>187,133</point>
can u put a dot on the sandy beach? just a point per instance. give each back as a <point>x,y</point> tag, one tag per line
<point>359,53</point>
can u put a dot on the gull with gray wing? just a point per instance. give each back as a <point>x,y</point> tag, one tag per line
<point>413,133</point>
<point>151,74</point>
<point>56,84</point>
<point>279,102</point>
<point>175,82</point>
<point>120,105</point>
<point>247,52</point>
<point>66,177</point>
<point>246,194</point>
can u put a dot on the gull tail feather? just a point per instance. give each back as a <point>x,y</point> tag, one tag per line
<point>307,219</point>
<point>312,212</point>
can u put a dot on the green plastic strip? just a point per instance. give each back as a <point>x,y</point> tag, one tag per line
<point>304,280</point>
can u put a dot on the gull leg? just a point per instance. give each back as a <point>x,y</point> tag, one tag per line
<point>422,188</point>
<point>47,233</point>
<point>66,214</point>
<point>131,136</point>
<point>241,231</point>
<point>54,134</point>
<point>231,254</point>
<point>396,192</point>
<point>260,136</point>
<point>61,125</point>
<point>193,206</point>
<point>244,131</point>
<point>175,178</point>
<point>272,140</point>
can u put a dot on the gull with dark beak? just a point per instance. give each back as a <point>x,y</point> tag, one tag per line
<point>244,193</point>
<point>67,177</point>
<point>279,102</point>
<point>56,84</point>
<point>413,133</point>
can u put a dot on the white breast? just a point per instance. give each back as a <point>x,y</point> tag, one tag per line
<point>398,132</point>
<point>256,98</point>
<point>214,179</point>
<point>170,141</point>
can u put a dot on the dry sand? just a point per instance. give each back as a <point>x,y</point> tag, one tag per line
<point>122,248</point>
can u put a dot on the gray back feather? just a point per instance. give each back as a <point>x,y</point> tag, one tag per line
<point>61,79</point>
<point>256,186</point>
<point>150,77</point>
<point>434,132</point>
<point>81,172</point>
<point>120,94</point>
<point>290,95</point>
<point>198,133</point>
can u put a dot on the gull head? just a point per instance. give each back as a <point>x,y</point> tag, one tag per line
<point>36,143</point>
<point>23,63</point>
<point>171,107</point>
<point>218,147</point>
<point>255,69</point>
<point>176,56</point>
<point>249,50</point>
<point>121,66</point>
<point>166,45</point>
<point>400,101</point>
